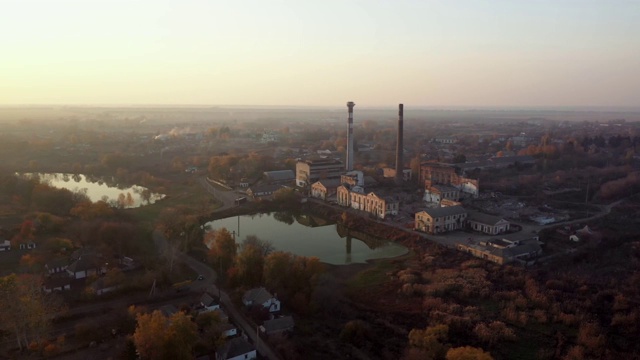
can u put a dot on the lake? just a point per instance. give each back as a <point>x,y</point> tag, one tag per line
<point>308,235</point>
<point>98,189</point>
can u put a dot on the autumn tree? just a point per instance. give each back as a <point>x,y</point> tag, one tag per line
<point>293,277</point>
<point>494,332</point>
<point>265,246</point>
<point>159,337</point>
<point>25,234</point>
<point>285,196</point>
<point>115,160</point>
<point>25,310</point>
<point>181,225</point>
<point>277,266</point>
<point>250,264</point>
<point>220,166</point>
<point>210,326</point>
<point>87,210</point>
<point>180,337</point>
<point>52,200</point>
<point>149,335</point>
<point>222,249</point>
<point>432,340</point>
<point>117,237</point>
<point>356,332</point>
<point>467,353</point>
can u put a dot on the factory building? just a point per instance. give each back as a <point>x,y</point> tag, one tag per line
<point>355,198</point>
<point>312,170</point>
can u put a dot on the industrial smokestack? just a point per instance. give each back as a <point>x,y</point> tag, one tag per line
<point>349,167</point>
<point>399,147</point>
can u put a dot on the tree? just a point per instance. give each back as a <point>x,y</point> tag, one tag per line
<point>159,337</point>
<point>250,264</point>
<point>276,267</point>
<point>285,196</point>
<point>180,338</point>
<point>116,236</point>
<point>181,224</point>
<point>432,340</point>
<point>25,310</point>
<point>222,249</point>
<point>355,332</point>
<point>149,335</point>
<point>468,353</point>
<point>494,332</point>
<point>509,145</point>
<point>265,247</point>
<point>87,210</point>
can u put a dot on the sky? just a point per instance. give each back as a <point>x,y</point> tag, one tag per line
<point>533,53</point>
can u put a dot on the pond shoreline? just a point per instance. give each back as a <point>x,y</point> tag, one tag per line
<point>388,232</point>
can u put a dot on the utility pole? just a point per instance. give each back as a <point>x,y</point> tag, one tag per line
<point>257,338</point>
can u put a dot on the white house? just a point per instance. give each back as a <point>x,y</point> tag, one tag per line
<point>85,266</point>
<point>28,246</point>
<point>5,245</point>
<point>228,329</point>
<point>208,303</point>
<point>236,349</point>
<point>260,296</point>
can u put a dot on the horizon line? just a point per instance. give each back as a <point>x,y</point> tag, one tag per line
<point>371,107</point>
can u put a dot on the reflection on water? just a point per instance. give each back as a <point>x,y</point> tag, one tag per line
<point>96,189</point>
<point>308,235</point>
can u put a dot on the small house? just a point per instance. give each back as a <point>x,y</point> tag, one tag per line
<point>260,296</point>
<point>86,265</point>
<point>57,266</point>
<point>236,349</point>
<point>208,303</point>
<point>278,325</point>
<point>261,191</point>
<point>28,246</point>
<point>5,245</point>
<point>57,282</point>
<point>228,330</point>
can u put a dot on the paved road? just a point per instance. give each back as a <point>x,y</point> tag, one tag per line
<point>238,318</point>
<point>227,197</point>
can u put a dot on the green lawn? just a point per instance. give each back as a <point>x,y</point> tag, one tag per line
<point>190,195</point>
<point>372,277</point>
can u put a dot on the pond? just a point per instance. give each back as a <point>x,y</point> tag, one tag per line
<point>98,189</point>
<point>308,235</point>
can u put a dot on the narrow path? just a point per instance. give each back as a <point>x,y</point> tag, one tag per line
<point>236,315</point>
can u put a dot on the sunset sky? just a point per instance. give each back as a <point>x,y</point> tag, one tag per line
<point>321,53</point>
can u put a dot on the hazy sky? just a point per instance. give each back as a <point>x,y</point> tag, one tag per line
<point>321,52</point>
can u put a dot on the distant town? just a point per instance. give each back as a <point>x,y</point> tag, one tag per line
<point>516,231</point>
